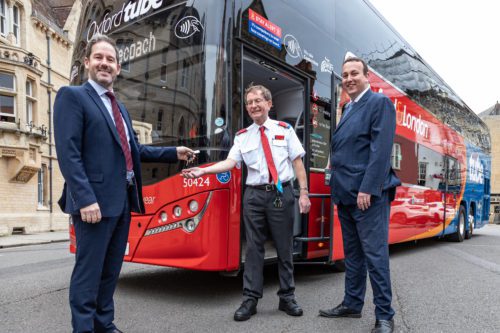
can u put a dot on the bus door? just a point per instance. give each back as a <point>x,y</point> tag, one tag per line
<point>289,90</point>
<point>453,189</point>
<point>322,239</point>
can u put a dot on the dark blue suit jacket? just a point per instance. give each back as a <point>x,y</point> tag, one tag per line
<point>361,150</point>
<point>90,155</point>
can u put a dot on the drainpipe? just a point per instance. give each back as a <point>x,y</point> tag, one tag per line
<point>49,93</point>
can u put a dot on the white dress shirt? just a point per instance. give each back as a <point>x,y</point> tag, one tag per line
<point>285,147</point>
<point>101,91</point>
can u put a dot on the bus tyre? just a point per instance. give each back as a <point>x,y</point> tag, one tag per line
<point>470,225</point>
<point>459,234</point>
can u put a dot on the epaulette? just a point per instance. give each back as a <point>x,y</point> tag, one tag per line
<point>283,124</point>
<point>241,131</point>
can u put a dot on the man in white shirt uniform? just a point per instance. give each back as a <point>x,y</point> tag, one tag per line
<point>272,153</point>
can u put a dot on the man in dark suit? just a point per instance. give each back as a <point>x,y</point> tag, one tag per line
<point>363,186</point>
<point>99,157</point>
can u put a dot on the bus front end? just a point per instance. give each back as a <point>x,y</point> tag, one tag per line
<point>173,82</point>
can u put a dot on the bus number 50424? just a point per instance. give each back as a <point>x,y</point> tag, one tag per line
<point>198,182</point>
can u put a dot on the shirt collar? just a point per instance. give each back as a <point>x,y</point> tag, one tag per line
<point>360,95</point>
<point>98,88</point>
<point>267,124</point>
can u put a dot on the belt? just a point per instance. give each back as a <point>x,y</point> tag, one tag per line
<point>269,187</point>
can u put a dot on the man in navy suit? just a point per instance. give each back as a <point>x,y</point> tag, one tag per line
<point>99,157</point>
<point>363,186</point>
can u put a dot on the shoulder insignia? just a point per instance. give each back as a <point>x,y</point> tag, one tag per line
<point>283,124</point>
<point>241,131</point>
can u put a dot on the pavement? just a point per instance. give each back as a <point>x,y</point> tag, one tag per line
<point>33,239</point>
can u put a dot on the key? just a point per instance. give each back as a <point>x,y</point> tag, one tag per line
<point>278,203</point>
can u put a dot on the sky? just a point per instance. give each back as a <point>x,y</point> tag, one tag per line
<point>460,40</point>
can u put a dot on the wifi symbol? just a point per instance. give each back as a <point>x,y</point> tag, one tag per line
<point>185,27</point>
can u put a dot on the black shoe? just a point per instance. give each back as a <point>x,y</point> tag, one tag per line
<point>383,326</point>
<point>340,311</point>
<point>247,309</point>
<point>290,307</point>
<point>116,331</point>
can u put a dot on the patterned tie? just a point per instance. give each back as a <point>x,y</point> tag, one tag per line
<point>121,130</point>
<point>269,159</point>
<point>347,109</point>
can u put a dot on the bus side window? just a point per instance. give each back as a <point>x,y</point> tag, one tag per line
<point>453,175</point>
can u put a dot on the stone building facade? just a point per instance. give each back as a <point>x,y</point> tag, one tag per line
<point>35,57</point>
<point>491,117</point>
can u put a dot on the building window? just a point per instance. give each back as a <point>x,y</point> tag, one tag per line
<point>422,173</point>
<point>396,156</point>
<point>7,98</point>
<point>30,102</point>
<point>181,131</point>
<point>163,68</point>
<point>497,209</point>
<point>124,48</point>
<point>184,74</point>
<point>42,187</point>
<point>160,119</point>
<point>15,22</point>
<point>3,18</point>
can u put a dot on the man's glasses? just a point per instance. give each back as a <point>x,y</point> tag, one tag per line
<point>256,101</point>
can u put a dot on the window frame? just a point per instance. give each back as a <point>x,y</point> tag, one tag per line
<point>420,174</point>
<point>16,26</point>
<point>3,18</point>
<point>30,101</point>
<point>396,156</point>
<point>163,66</point>
<point>9,92</point>
<point>42,188</point>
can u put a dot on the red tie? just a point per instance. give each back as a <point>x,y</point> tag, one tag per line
<point>121,130</point>
<point>269,156</point>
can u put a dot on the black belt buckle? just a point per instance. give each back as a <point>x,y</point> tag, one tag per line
<point>269,187</point>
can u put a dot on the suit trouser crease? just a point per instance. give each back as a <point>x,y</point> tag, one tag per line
<point>259,216</point>
<point>365,239</point>
<point>98,261</point>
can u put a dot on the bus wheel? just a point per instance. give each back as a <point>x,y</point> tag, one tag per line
<point>470,225</point>
<point>459,235</point>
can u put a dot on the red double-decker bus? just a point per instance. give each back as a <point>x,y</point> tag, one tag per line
<point>185,65</point>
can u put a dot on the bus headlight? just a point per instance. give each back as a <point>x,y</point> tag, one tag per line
<point>193,206</point>
<point>177,211</point>
<point>190,225</point>
<point>163,217</point>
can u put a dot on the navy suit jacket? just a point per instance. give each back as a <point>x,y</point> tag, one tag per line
<point>90,154</point>
<point>361,150</point>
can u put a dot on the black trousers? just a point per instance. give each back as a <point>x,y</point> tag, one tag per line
<point>260,216</point>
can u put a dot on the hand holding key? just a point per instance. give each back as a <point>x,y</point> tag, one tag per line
<point>193,172</point>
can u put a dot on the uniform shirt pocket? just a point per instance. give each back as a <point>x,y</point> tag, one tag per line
<point>250,156</point>
<point>280,153</point>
